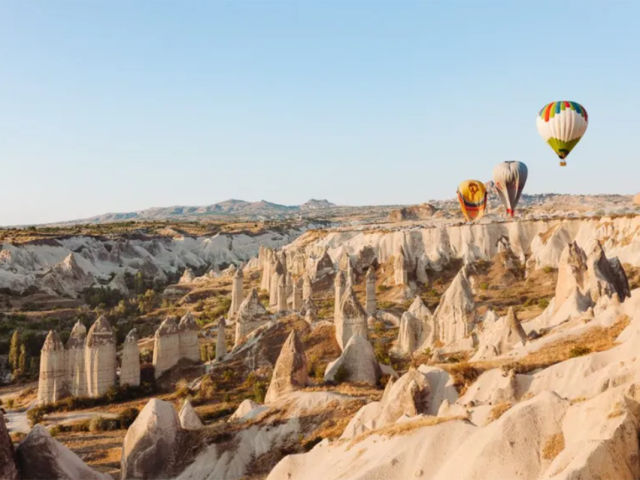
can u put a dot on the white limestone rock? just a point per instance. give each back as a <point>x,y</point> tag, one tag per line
<point>166,346</point>
<point>52,384</point>
<point>189,349</point>
<point>572,273</point>
<point>130,368</point>
<point>236,293</point>
<point>189,419</point>
<point>251,315</point>
<point>149,448</point>
<point>76,370</point>
<point>187,277</point>
<point>307,288</point>
<point>605,280</point>
<point>41,457</point>
<point>408,396</point>
<point>339,285</point>
<point>370,289</point>
<point>352,319</point>
<point>400,268</point>
<point>100,359</point>
<point>296,303</point>
<point>359,360</point>
<point>282,295</point>
<point>119,283</point>
<point>455,316</point>
<point>290,372</point>
<point>410,334</point>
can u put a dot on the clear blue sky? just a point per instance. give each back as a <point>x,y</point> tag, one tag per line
<point>110,106</point>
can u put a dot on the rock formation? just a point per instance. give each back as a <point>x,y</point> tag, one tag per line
<point>359,361</point>
<point>296,301</point>
<point>289,283</point>
<point>400,268</point>
<point>352,319</point>
<point>339,287</point>
<point>500,336</point>
<point>265,256</point>
<point>76,370</point>
<point>8,469</point>
<point>309,310</point>
<point>250,316</point>
<point>572,273</point>
<point>130,365</point>
<point>350,275</point>
<point>307,289</point>
<point>189,349</point>
<point>100,357</point>
<point>149,448</point>
<point>236,293</point>
<point>41,457</point>
<point>321,268</point>
<point>290,371</point>
<point>606,277</point>
<point>52,385</point>
<point>166,346</point>
<point>410,335</point>
<point>415,212</point>
<point>66,278</point>
<point>189,419</point>
<point>282,295</point>
<point>370,288</point>
<point>119,283</point>
<point>422,265</point>
<point>277,274</point>
<point>221,340</point>
<point>455,316</point>
<point>408,396</point>
<point>187,277</point>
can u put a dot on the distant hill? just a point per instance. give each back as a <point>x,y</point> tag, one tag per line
<point>261,210</point>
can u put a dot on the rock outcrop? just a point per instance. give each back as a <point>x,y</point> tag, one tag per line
<point>166,346</point>
<point>100,357</point>
<point>351,320</point>
<point>415,212</point>
<point>296,296</point>
<point>370,290</point>
<point>500,336</point>
<point>282,295</point>
<point>251,315</point>
<point>455,316</point>
<point>66,278</point>
<point>8,469</point>
<point>410,335</point>
<point>189,419</point>
<point>400,268</point>
<point>236,293</point>
<point>52,384</point>
<point>41,457</point>
<point>277,274</point>
<point>321,267</point>
<point>359,362</point>
<point>572,273</point>
<point>76,370</point>
<point>606,277</point>
<point>339,285</point>
<point>290,372</point>
<point>408,396</point>
<point>188,276</point>
<point>221,340</point>
<point>150,449</point>
<point>189,349</point>
<point>307,288</point>
<point>130,365</point>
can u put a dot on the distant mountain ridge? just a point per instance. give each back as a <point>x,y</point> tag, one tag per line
<point>229,208</point>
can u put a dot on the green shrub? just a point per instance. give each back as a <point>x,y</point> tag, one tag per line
<point>207,387</point>
<point>35,415</point>
<point>578,351</point>
<point>259,392</point>
<point>127,417</point>
<point>341,374</point>
<point>484,286</point>
<point>543,303</point>
<point>309,444</point>
<point>547,269</point>
<point>101,424</point>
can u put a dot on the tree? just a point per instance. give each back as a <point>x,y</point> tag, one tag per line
<point>138,282</point>
<point>14,350</point>
<point>22,361</point>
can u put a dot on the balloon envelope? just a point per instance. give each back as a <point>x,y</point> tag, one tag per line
<point>472,196</point>
<point>562,125</point>
<point>509,179</point>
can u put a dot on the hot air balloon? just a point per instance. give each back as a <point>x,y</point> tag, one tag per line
<point>562,125</point>
<point>509,179</point>
<point>472,196</point>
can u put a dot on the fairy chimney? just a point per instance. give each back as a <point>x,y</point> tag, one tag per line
<point>400,274</point>
<point>166,346</point>
<point>76,371</point>
<point>236,293</point>
<point>455,317</point>
<point>296,302</point>
<point>52,385</point>
<point>370,286</point>
<point>251,315</point>
<point>282,295</point>
<point>189,338</point>
<point>307,289</point>
<point>339,287</point>
<point>290,371</point>
<point>352,319</point>
<point>130,365</point>
<point>100,358</point>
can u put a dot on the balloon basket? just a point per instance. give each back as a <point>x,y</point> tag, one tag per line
<point>563,163</point>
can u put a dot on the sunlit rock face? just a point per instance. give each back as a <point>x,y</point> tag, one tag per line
<point>130,367</point>
<point>52,385</point>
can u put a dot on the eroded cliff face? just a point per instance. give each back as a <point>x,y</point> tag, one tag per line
<point>65,266</point>
<point>540,242</point>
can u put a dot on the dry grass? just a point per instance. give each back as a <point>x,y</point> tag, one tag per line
<point>499,410</point>
<point>463,374</point>
<point>553,445</point>
<point>101,451</point>
<point>404,428</point>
